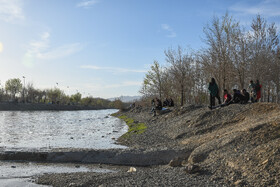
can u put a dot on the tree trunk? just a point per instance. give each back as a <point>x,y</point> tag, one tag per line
<point>277,93</point>
<point>268,93</point>
<point>182,95</point>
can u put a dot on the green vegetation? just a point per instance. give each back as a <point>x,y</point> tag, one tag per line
<point>134,127</point>
<point>15,91</point>
<point>13,86</point>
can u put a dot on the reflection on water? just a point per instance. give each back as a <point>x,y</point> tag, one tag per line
<point>60,129</point>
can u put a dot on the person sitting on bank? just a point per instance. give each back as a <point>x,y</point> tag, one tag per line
<point>246,96</point>
<point>227,98</point>
<point>237,96</point>
<point>158,105</point>
<point>166,102</point>
<point>171,102</point>
<point>153,103</point>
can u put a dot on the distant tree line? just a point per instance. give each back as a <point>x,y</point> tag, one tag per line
<point>233,56</point>
<point>15,92</point>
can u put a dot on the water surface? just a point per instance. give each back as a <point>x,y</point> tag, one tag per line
<point>60,129</point>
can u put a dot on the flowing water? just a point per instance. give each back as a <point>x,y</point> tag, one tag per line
<point>94,129</point>
<point>45,130</point>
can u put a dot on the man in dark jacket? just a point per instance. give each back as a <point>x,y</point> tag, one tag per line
<point>246,97</point>
<point>237,96</point>
<point>214,93</point>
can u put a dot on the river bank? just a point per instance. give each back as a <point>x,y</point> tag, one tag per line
<point>43,107</point>
<point>237,145</point>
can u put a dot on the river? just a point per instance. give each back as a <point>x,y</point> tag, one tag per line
<point>44,130</point>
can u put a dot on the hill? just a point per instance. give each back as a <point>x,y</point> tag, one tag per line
<point>126,99</point>
<point>237,144</point>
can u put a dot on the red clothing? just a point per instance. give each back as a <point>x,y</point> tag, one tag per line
<point>259,93</point>
<point>227,98</point>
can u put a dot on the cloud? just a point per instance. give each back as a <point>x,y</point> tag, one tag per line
<point>41,49</point>
<point>103,87</point>
<point>124,84</point>
<point>11,10</point>
<point>114,69</point>
<point>36,47</point>
<point>268,8</point>
<point>170,31</point>
<point>61,51</point>
<point>87,4</point>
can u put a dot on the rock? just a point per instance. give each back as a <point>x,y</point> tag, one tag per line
<point>177,162</point>
<point>238,182</point>
<point>13,166</point>
<point>231,164</point>
<point>198,157</point>
<point>265,162</point>
<point>77,166</point>
<point>192,168</point>
<point>184,163</point>
<point>131,169</point>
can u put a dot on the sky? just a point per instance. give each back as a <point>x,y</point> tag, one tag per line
<point>104,48</point>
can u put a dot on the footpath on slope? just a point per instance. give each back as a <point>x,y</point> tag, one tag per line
<point>234,145</point>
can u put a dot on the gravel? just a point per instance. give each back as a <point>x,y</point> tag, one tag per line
<point>237,145</point>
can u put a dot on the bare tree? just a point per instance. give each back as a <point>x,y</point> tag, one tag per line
<point>233,56</point>
<point>153,81</point>
<point>264,44</point>
<point>180,69</point>
<point>220,37</point>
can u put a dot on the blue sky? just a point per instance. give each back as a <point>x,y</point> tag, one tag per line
<point>104,47</point>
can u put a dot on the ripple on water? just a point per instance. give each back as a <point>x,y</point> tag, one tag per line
<point>60,129</point>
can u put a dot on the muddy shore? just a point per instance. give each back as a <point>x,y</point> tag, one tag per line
<point>236,145</point>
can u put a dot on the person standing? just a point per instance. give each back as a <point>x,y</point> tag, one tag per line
<point>253,93</point>
<point>214,93</point>
<point>258,90</point>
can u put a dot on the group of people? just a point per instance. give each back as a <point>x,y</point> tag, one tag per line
<point>158,105</point>
<point>241,97</point>
<point>168,102</point>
